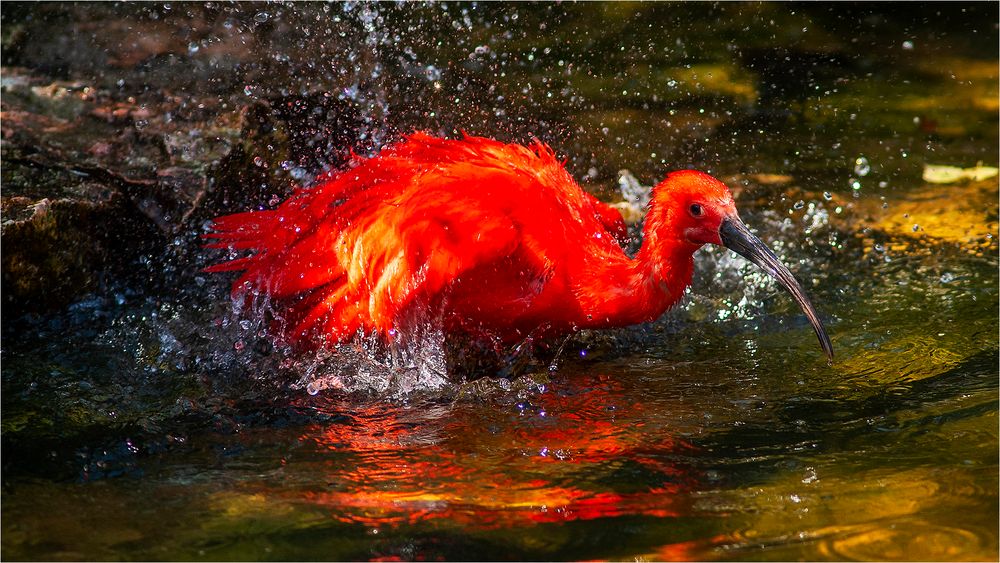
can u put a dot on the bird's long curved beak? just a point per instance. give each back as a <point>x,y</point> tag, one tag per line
<point>738,238</point>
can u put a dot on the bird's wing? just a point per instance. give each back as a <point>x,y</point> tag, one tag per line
<point>352,253</point>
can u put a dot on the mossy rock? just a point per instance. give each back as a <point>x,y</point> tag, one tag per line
<point>57,250</point>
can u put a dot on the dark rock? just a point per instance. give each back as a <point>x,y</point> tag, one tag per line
<point>286,143</point>
<point>56,250</point>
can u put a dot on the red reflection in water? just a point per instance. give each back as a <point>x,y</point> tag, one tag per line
<point>553,462</point>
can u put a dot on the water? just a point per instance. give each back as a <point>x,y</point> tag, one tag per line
<point>143,419</point>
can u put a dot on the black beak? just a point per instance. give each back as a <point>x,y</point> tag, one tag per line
<point>738,238</point>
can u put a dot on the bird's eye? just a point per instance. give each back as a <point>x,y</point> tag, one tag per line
<point>696,210</point>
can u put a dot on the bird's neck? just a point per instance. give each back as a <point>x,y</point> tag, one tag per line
<point>640,290</point>
<point>663,269</point>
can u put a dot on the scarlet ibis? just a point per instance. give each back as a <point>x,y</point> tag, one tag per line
<point>491,239</point>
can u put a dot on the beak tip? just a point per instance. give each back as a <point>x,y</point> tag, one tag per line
<point>738,238</point>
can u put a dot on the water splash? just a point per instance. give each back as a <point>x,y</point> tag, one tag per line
<point>414,361</point>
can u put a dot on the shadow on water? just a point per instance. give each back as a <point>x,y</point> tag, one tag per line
<point>827,423</point>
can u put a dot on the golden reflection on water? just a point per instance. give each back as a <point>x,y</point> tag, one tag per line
<point>963,213</point>
<point>906,540</point>
<point>912,515</point>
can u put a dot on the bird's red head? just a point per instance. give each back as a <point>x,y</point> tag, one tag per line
<point>694,206</point>
<point>693,209</point>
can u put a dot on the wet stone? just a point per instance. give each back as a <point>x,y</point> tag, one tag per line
<point>55,250</point>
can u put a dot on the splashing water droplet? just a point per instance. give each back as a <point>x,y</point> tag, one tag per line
<point>261,17</point>
<point>432,73</point>
<point>827,196</point>
<point>799,205</point>
<point>861,166</point>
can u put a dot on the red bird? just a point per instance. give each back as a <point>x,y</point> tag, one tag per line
<point>493,239</point>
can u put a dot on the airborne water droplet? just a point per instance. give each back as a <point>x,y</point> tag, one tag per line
<point>861,166</point>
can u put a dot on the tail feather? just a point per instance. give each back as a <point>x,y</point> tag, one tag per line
<point>295,258</point>
<point>235,265</point>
